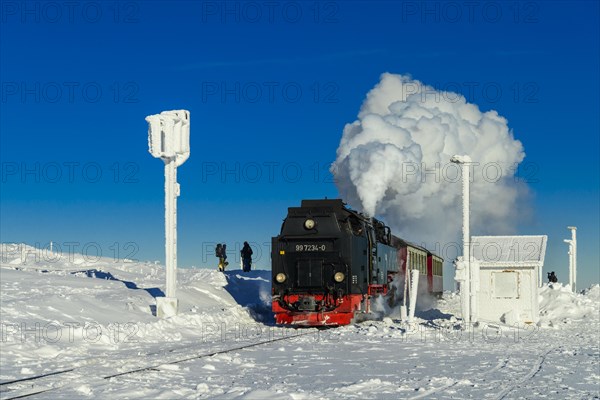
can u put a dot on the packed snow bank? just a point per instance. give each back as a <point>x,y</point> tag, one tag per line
<point>252,290</point>
<point>433,357</point>
<point>560,306</point>
<point>64,308</point>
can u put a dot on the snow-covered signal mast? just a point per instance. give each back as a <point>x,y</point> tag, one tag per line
<point>169,140</point>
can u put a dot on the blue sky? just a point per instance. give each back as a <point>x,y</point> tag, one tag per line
<point>270,87</point>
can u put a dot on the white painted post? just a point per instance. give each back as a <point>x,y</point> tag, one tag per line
<point>168,139</point>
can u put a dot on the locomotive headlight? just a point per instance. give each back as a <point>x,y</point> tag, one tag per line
<point>280,277</point>
<point>339,276</point>
<point>309,223</point>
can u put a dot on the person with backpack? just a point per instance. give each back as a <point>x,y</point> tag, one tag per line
<point>221,253</point>
<point>246,254</point>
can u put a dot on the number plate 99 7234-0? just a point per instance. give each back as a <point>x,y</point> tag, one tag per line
<point>311,247</point>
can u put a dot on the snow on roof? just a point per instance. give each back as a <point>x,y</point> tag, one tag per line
<point>516,251</point>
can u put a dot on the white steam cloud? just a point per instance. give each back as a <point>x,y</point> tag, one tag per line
<point>394,162</point>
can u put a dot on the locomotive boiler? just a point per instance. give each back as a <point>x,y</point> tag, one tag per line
<point>329,261</point>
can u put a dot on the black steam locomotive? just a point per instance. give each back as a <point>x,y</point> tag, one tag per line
<point>329,261</point>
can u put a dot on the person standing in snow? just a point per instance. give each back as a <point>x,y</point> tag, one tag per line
<point>221,254</point>
<point>218,252</point>
<point>223,259</point>
<point>246,254</point>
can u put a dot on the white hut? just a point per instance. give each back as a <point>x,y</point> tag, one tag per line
<point>509,270</point>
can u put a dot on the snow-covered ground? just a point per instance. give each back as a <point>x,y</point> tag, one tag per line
<point>94,319</point>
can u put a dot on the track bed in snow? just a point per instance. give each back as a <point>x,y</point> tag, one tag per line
<point>97,319</point>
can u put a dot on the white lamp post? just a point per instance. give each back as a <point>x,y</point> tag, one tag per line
<point>465,277</point>
<point>572,258</point>
<point>169,140</point>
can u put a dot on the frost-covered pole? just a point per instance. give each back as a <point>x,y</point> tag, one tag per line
<point>171,193</point>
<point>572,258</point>
<point>467,295</point>
<point>574,238</point>
<point>403,313</point>
<point>168,139</point>
<point>570,253</point>
<point>414,288</point>
<point>540,275</point>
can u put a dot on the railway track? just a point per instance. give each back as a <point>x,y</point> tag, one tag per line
<point>88,363</point>
<point>504,390</point>
<point>428,393</point>
<point>62,379</point>
<point>535,368</point>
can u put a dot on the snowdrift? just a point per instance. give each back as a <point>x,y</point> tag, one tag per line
<point>96,315</point>
<point>67,307</point>
<point>560,306</point>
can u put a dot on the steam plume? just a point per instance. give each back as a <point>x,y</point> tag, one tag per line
<point>394,162</point>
